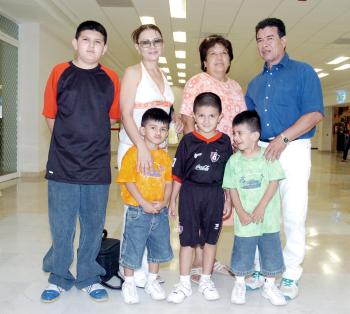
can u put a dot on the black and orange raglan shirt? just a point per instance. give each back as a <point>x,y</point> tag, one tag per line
<point>82,102</point>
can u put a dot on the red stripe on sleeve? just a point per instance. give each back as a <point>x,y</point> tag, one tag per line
<point>50,95</point>
<point>177,179</point>
<point>114,112</point>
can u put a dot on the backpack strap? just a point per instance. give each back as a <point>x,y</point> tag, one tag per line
<point>108,285</point>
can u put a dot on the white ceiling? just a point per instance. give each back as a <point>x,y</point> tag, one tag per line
<point>312,28</point>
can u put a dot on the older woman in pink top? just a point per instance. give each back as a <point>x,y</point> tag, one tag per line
<point>216,56</point>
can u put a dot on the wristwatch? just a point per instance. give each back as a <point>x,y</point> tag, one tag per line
<point>285,139</point>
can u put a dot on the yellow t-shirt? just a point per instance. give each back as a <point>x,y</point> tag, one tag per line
<point>151,185</point>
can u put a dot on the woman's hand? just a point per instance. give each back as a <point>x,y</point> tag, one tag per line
<point>144,159</point>
<point>179,126</point>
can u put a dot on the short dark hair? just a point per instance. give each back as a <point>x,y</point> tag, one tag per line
<point>155,114</point>
<point>211,41</point>
<point>207,99</point>
<point>92,26</point>
<point>272,22</point>
<point>251,118</point>
<point>137,32</point>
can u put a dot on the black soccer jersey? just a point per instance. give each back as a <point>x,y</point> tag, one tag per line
<point>201,160</point>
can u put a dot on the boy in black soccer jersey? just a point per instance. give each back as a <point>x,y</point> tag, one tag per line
<point>81,102</point>
<point>198,172</point>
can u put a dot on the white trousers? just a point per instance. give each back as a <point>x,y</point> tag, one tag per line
<point>296,163</point>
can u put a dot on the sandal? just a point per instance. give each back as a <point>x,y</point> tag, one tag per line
<point>221,269</point>
<point>195,274</point>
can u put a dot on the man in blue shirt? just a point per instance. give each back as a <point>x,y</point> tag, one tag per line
<point>288,98</point>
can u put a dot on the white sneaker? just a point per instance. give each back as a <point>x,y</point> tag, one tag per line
<point>140,278</point>
<point>289,288</point>
<point>129,293</point>
<point>155,290</point>
<point>207,288</point>
<point>238,293</point>
<point>254,281</point>
<point>273,294</point>
<point>179,292</point>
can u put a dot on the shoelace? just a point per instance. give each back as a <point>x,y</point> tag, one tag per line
<point>256,275</point>
<point>93,287</point>
<point>287,282</point>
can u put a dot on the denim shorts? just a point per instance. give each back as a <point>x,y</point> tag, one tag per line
<point>143,230</point>
<point>270,255</point>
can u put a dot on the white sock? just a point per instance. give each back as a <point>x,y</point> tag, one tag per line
<point>152,277</point>
<point>240,279</point>
<point>205,277</point>
<point>129,279</point>
<point>186,280</point>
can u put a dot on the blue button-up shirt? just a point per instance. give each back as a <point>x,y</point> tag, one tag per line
<point>282,94</point>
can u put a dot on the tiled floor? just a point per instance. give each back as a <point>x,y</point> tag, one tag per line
<point>324,288</point>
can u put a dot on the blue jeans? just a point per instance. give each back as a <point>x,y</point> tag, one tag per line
<point>270,255</point>
<point>143,230</point>
<point>67,202</point>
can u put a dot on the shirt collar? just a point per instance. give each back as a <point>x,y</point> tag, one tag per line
<point>284,62</point>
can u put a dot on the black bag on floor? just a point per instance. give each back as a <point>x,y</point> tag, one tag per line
<point>108,258</point>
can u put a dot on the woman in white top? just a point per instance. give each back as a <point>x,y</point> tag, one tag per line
<point>143,86</point>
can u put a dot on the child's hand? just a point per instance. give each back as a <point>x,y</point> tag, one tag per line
<point>159,205</point>
<point>258,214</point>
<point>227,209</point>
<point>172,209</point>
<point>149,208</point>
<point>244,218</point>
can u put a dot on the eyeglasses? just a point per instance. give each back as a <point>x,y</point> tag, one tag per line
<point>149,43</point>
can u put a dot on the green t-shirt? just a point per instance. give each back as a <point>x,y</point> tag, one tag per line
<point>251,176</point>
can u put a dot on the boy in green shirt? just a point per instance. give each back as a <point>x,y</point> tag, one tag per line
<point>253,184</point>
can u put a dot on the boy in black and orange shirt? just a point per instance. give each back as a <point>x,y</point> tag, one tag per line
<point>81,103</point>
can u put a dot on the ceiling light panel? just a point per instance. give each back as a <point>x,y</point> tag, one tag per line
<point>147,20</point>
<point>162,60</point>
<point>177,9</point>
<point>179,37</point>
<point>182,81</point>
<point>322,74</point>
<point>338,60</point>
<point>343,67</point>
<point>181,66</point>
<point>165,70</point>
<point>317,70</point>
<point>180,54</point>
<point>181,74</point>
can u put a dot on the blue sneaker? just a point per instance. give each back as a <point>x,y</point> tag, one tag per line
<point>96,292</point>
<point>51,293</point>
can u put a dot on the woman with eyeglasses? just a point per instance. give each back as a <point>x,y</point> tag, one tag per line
<point>216,56</point>
<point>143,86</point>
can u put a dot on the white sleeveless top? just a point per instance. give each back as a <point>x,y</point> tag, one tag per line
<point>148,96</point>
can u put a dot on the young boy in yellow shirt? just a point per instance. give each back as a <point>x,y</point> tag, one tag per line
<point>147,196</point>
